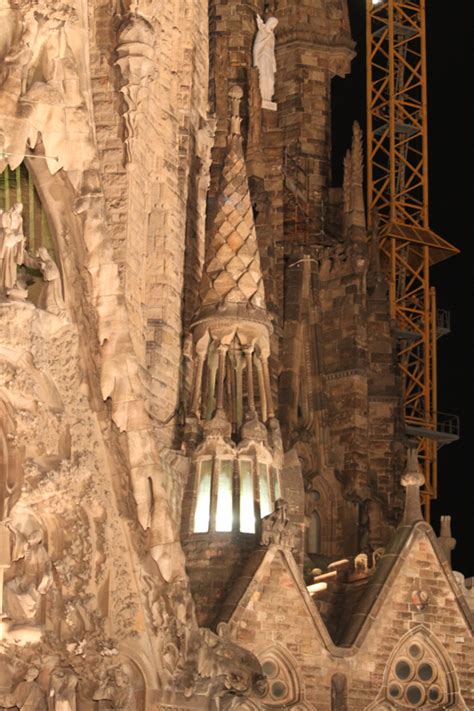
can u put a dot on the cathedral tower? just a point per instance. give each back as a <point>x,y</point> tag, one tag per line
<point>231,429</point>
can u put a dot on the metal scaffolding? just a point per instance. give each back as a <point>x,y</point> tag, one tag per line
<point>397,175</point>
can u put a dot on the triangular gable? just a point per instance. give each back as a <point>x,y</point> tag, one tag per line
<point>413,563</point>
<point>269,590</point>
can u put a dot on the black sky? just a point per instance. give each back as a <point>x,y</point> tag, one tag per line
<point>450,32</point>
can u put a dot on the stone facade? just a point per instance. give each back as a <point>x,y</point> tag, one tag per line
<point>202,452</point>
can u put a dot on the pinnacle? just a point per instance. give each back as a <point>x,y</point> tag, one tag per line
<point>232,273</point>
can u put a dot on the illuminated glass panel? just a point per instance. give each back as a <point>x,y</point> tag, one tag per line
<point>203,502</point>
<point>224,496</point>
<point>247,510</point>
<point>264,486</point>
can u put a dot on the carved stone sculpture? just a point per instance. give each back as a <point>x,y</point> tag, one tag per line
<point>276,527</point>
<point>361,564</point>
<point>62,689</point>
<point>11,472</point>
<point>117,688</point>
<point>221,667</point>
<point>12,246</point>
<point>51,297</point>
<point>135,60</point>
<point>264,59</point>
<point>27,695</point>
<point>29,577</point>
<point>446,540</point>
<point>412,479</point>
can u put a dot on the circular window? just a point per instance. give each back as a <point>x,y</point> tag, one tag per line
<point>434,694</point>
<point>269,669</point>
<point>395,691</point>
<point>404,670</point>
<point>415,651</point>
<point>426,672</point>
<point>279,690</point>
<point>415,694</point>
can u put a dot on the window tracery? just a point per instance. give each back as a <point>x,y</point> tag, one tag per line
<point>283,690</point>
<point>416,677</point>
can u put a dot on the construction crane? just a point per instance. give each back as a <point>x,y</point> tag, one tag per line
<point>397,178</point>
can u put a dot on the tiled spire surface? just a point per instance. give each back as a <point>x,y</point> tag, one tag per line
<point>232,275</point>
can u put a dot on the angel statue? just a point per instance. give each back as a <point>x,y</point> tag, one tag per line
<point>12,246</point>
<point>264,56</point>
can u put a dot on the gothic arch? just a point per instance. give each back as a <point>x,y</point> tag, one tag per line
<point>418,675</point>
<point>321,498</point>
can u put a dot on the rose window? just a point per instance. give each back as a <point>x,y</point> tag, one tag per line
<point>282,683</point>
<point>416,678</point>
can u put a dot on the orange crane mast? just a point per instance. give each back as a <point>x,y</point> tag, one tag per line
<point>397,182</point>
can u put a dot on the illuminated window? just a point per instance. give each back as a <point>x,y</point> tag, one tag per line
<point>247,510</point>
<point>264,488</point>
<point>224,496</point>
<point>314,534</point>
<point>203,503</point>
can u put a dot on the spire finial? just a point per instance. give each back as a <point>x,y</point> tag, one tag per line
<point>446,540</point>
<point>357,154</point>
<point>235,94</point>
<point>412,480</point>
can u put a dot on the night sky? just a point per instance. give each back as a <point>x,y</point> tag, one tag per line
<point>451,126</point>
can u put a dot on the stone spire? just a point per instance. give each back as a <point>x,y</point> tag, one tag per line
<point>446,540</point>
<point>232,276</point>
<point>231,330</point>
<point>412,480</point>
<point>354,209</point>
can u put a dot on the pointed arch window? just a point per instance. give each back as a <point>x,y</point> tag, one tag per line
<point>247,499</point>
<point>224,507</point>
<point>203,500</point>
<point>314,534</point>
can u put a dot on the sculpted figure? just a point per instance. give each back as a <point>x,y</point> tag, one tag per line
<point>223,668</point>
<point>29,577</point>
<point>51,297</point>
<point>118,689</point>
<point>276,528</point>
<point>27,695</point>
<point>264,56</point>
<point>12,245</point>
<point>11,456</point>
<point>62,689</point>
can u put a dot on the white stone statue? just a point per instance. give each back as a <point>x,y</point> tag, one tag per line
<point>27,695</point>
<point>30,577</point>
<point>51,296</point>
<point>118,689</point>
<point>62,689</point>
<point>264,59</point>
<point>12,246</point>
